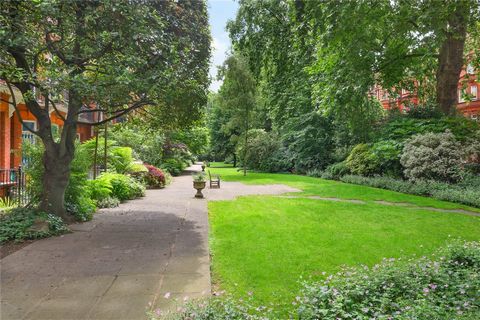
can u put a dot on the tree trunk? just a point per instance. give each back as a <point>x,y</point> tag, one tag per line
<point>450,60</point>
<point>234,160</point>
<point>55,182</point>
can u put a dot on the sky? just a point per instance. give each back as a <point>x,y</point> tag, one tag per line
<point>220,11</point>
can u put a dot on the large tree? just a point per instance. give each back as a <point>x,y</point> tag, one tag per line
<point>391,43</point>
<point>123,55</point>
<point>237,98</point>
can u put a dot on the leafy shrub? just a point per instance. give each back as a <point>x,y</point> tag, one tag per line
<point>461,193</point>
<point>121,159</point>
<point>108,202</point>
<point>215,308</point>
<point>310,142</point>
<point>316,173</point>
<point>362,160</point>
<point>387,157</point>
<point>428,110</point>
<point>138,168</point>
<point>16,224</point>
<point>99,189</point>
<point>123,187</point>
<point>404,128</point>
<point>444,288</point>
<point>432,156</point>
<point>336,170</point>
<point>264,153</point>
<point>174,166</point>
<point>77,198</point>
<point>6,204</point>
<point>155,178</point>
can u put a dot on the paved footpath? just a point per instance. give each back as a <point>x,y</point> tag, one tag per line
<point>122,263</point>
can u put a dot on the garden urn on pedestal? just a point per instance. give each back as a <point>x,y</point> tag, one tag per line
<point>203,166</point>
<point>199,182</point>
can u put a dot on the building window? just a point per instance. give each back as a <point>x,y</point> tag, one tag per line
<point>474,91</point>
<point>461,97</point>
<point>470,69</point>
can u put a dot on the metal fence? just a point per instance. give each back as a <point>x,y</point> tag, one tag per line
<point>13,185</point>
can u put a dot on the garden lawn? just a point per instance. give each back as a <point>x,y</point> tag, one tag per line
<point>264,244</point>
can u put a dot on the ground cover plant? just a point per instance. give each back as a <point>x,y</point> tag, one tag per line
<point>263,244</point>
<point>16,225</point>
<point>443,285</point>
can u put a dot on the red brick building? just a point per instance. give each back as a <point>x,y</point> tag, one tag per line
<point>13,133</point>
<point>468,102</point>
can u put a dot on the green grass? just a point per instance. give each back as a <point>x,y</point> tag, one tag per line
<point>264,244</point>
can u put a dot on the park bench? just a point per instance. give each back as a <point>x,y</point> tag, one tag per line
<point>214,180</point>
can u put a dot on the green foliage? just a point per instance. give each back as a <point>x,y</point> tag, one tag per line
<point>138,168</point>
<point>403,128</point>
<point>264,153</point>
<point>99,189</point>
<point>442,287</point>
<point>174,166</point>
<point>77,198</point>
<point>123,187</point>
<point>387,157</point>
<point>7,203</point>
<point>432,156</point>
<point>362,160</point>
<point>467,193</point>
<point>199,177</point>
<point>33,168</point>
<point>147,144</point>
<point>122,159</point>
<point>108,202</point>
<point>336,170</point>
<point>16,224</point>
<point>310,141</point>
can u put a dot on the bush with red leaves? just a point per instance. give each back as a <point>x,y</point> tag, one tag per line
<point>155,177</point>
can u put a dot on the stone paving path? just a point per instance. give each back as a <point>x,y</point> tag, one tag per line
<point>123,262</point>
<point>387,203</point>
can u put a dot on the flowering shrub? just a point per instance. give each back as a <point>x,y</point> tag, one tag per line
<point>155,177</point>
<point>432,156</point>
<point>446,287</point>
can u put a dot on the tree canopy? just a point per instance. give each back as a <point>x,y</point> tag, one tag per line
<point>122,55</point>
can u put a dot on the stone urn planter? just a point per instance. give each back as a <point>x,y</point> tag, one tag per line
<point>203,166</point>
<point>199,183</point>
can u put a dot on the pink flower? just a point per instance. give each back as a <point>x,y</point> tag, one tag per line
<point>167,295</point>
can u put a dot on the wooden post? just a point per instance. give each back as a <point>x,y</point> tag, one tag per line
<point>95,155</point>
<point>105,147</point>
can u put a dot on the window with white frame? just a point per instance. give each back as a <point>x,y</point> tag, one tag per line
<point>470,69</point>
<point>461,97</point>
<point>474,91</point>
<point>29,124</point>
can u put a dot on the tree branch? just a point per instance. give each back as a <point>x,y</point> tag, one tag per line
<point>135,106</point>
<point>17,111</point>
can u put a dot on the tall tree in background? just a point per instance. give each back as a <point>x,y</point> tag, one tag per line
<point>124,55</point>
<point>237,98</point>
<point>391,43</point>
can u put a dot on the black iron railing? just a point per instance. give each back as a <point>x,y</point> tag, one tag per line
<point>13,185</point>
